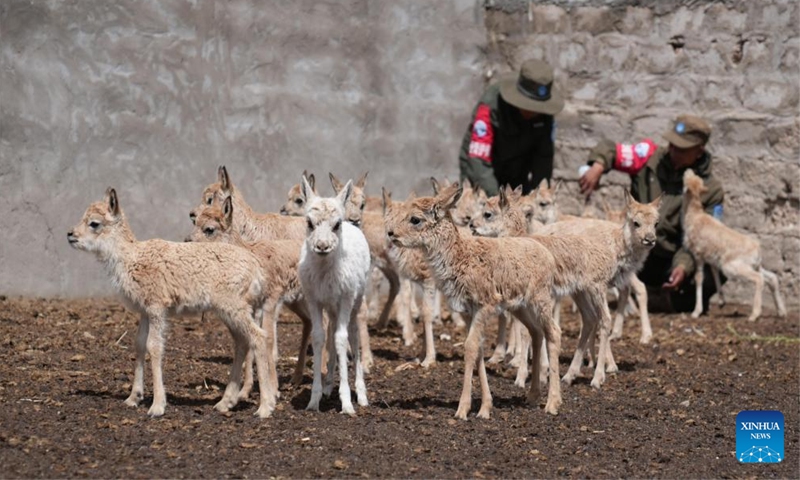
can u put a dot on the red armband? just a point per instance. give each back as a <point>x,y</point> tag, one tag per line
<point>632,158</point>
<point>480,145</point>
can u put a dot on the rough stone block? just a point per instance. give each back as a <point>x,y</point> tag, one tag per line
<point>593,20</point>
<point>771,16</point>
<point>637,21</point>
<point>613,53</point>
<point>790,251</point>
<point>771,253</point>
<point>773,94</point>
<point>655,58</point>
<point>550,19</point>
<point>719,18</point>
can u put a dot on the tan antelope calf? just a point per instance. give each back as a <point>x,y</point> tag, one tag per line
<point>251,226</point>
<point>295,205</point>
<point>630,242</point>
<point>546,208</point>
<point>723,248</point>
<point>278,260</point>
<point>411,265</point>
<point>637,286</point>
<point>482,277</point>
<point>158,277</point>
<point>584,266</point>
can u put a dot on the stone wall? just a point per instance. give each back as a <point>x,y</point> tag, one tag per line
<point>628,68</point>
<point>150,96</point>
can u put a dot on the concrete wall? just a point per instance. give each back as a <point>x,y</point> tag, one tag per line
<point>150,96</point>
<point>629,68</point>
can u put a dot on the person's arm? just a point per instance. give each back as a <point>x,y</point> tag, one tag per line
<point>628,158</point>
<point>475,161</point>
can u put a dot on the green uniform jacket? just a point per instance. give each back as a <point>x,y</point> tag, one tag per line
<point>505,148</point>
<point>658,177</point>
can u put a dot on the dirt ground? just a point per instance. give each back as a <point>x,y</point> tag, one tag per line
<point>66,367</point>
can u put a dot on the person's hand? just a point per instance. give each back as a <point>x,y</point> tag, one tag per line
<point>677,277</point>
<point>591,178</point>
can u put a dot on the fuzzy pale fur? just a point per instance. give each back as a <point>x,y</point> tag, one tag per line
<point>278,260</point>
<point>295,205</point>
<point>638,290</point>
<point>723,248</point>
<point>158,277</point>
<point>334,266</point>
<point>251,226</point>
<point>482,277</point>
<point>411,264</point>
<point>630,244</point>
<point>546,208</point>
<point>584,266</point>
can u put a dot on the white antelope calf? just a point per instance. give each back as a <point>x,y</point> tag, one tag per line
<point>334,266</point>
<point>483,277</point>
<point>723,248</point>
<point>278,260</point>
<point>157,277</point>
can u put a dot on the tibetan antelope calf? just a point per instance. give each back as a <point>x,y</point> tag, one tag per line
<point>637,286</point>
<point>630,243</point>
<point>295,205</point>
<point>723,248</point>
<point>278,260</point>
<point>158,277</point>
<point>334,265</point>
<point>251,226</point>
<point>584,266</point>
<point>482,277</point>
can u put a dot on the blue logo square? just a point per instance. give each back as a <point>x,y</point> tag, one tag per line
<point>759,436</point>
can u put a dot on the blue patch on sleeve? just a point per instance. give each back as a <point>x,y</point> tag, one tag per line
<point>717,213</point>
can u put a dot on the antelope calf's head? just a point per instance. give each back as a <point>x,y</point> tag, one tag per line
<point>213,224</point>
<point>357,201</point>
<point>324,217</point>
<point>692,183</point>
<point>414,223</point>
<point>102,225</point>
<point>470,201</point>
<point>641,220</point>
<point>544,202</point>
<point>295,205</point>
<point>492,220</point>
<point>216,193</point>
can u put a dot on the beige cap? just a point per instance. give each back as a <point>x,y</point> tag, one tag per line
<point>532,89</point>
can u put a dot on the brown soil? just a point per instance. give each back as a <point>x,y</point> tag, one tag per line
<point>66,367</point>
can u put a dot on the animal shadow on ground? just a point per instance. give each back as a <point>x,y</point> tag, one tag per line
<point>172,399</point>
<point>222,360</point>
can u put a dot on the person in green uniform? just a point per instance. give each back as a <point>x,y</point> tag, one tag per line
<point>510,137</point>
<point>658,171</point>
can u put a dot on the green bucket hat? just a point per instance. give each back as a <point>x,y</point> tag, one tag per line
<point>688,131</point>
<point>532,89</point>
